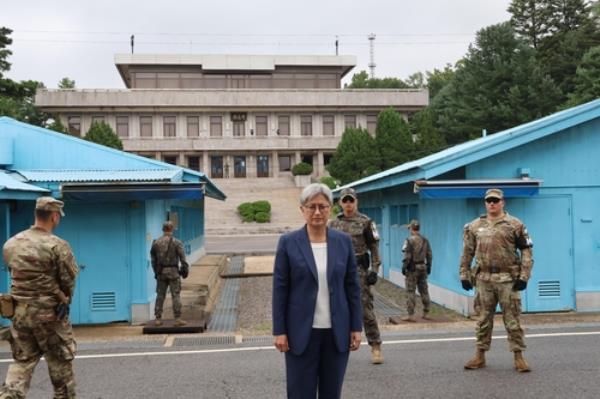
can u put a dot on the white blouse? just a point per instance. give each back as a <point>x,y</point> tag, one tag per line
<point>322,317</point>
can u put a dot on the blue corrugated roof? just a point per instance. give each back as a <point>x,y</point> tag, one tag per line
<point>474,150</point>
<point>101,175</point>
<point>8,182</point>
<point>84,154</point>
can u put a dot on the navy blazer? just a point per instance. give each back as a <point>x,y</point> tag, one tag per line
<point>295,286</point>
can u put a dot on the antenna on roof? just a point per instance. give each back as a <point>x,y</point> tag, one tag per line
<point>372,53</point>
<point>484,133</point>
<point>132,42</point>
<point>337,43</point>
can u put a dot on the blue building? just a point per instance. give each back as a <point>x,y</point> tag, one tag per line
<point>115,204</point>
<point>549,170</point>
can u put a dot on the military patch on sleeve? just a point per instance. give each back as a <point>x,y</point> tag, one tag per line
<point>374,231</point>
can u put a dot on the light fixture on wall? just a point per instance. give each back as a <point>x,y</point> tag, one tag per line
<point>251,132</point>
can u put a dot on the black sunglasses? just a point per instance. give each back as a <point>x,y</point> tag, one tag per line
<point>348,199</point>
<point>492,200</point>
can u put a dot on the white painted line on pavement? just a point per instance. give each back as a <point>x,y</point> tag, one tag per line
<point>263,348</point>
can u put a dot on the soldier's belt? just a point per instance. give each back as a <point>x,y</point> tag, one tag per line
<point>165,266</point>
<point>495,269</point>
<point>363,260</point>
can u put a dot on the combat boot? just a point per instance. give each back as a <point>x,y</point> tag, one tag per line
<point>179,322</point>
<point>520,363</point>
<point>477,362</point>
<point>158,322</point>
<point>376,356</point>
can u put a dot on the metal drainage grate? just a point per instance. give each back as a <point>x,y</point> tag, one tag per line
<point>224,316</point>
<point>104,301</point>
<point>206,340</point>
<point>549,288</point>
<point>385,307</point>
<point>259,340</point>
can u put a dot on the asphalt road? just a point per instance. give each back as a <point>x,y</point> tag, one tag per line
<point>565,363</point>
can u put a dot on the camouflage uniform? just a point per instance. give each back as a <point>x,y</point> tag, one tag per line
<point>416,267</point>
<point>365,239</point>
<point>42,269</point>
<point>494,244</point>
<point>166,253</point>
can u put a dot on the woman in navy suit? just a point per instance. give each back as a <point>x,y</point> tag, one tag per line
<point>317,315</point>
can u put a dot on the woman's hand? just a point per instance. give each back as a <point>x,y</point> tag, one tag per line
<point>355,337</point>
<point>281,343</point>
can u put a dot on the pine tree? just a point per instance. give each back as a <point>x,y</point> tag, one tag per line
<point>393,139</point>
<point>355,157</point>
<point>587,79</point>
<point>101,133</point>
<point>530,20</point>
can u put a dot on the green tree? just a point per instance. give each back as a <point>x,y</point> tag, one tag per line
<point>587,79</point>
<point>428,139</point>
<point>437,79</point>
<point>355,157</point>
<point>416,81</point>
<point>5,41</point>
<point>498,85</point>
<point>101,133</point>
<point>57,125</point>
<point>66,83</point>
<point>575,30</point>
<point>530,19</point>
<point>17,98</point>
<point>362,80</point>
<point>393,139</point>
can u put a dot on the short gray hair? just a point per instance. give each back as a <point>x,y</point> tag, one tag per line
<point>312,190</point>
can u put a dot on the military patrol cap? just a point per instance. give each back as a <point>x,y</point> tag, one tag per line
<point>50,204</point>
<point>348,191</point>
<point>414,225</point>
<point>494,193</point>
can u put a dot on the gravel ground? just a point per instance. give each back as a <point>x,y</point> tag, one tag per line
<point>254,316</point>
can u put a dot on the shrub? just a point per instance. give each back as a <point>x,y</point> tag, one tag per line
<point>328,181</point>
<point>102,133</point>
<point>261,206</point>
<point>258,211</point>
<point>262,217</point>
<point>302,168</point>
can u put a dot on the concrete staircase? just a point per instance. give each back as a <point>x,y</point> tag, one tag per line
<point>222,217</point>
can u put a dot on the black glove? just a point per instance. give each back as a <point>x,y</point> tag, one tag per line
<point>404,270</point>
<point>466,284</point>
<point>371,278</point>
<point>428,270</point>
<point>62,311</point>
<point>183,272</point>
<point>519,285</point>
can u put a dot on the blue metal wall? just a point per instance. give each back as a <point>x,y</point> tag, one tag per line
<point>563,219</point>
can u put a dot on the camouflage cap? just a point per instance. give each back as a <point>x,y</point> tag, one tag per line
<point>50,204</point>
<point>414,224</point>
<point>348,191</point>
<point>494,193</point>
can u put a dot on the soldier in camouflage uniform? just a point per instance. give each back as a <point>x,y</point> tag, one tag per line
<point>416,266</point>
<point>502,248</point>
<point>365,239</point>
<point>43,272</point>
<point>167,252</point>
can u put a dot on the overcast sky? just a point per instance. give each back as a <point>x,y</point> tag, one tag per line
<point>78,38</point>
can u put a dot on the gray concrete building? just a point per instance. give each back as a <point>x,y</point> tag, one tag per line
<point>230,116</point>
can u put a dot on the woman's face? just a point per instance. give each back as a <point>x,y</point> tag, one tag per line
<point>316,211</point>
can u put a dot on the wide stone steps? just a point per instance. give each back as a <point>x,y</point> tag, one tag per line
<point>222,217</point>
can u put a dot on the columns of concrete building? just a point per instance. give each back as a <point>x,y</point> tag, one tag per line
<point>205,163</point>
<point>251,165</point>
<point>298,157</point>
<point>320,164</point>
<point>274,164</point>
<point>181,159</point>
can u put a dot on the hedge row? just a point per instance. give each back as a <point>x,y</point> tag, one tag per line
<point>258,211</point>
